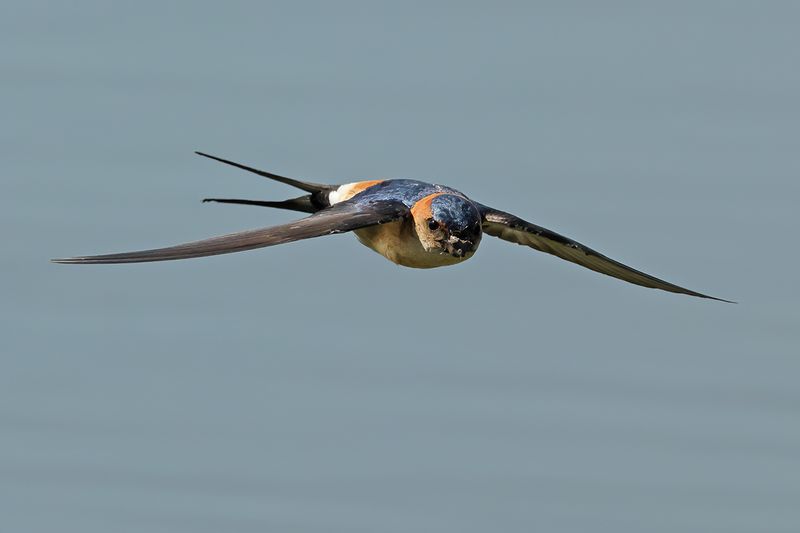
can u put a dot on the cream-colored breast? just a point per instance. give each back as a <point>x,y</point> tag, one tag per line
<point>398,242</point>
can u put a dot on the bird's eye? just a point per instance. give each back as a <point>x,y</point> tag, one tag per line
<point>432,224</point>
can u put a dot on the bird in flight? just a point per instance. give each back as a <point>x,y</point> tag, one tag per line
<point>411,223</point>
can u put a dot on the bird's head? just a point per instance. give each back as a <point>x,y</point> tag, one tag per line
<point>448,224</point>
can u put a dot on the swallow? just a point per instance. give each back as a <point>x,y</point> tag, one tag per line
<point>411,223</point>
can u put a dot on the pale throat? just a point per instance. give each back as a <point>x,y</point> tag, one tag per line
<point>399,243</point>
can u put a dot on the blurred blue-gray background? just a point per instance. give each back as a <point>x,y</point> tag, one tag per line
<point>316,387</point>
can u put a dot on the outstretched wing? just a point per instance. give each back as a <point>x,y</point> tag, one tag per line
<point>346,216</point>
<point>513,229</point>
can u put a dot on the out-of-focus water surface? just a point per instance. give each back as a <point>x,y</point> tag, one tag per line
<point>317,387</point>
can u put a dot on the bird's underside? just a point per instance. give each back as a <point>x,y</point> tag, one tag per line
<point>411,223</point>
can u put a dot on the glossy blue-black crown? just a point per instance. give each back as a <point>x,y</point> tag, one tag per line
<point>457,214</point>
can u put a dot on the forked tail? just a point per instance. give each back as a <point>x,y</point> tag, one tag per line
<point>310,203</point>
<point>303,203</point>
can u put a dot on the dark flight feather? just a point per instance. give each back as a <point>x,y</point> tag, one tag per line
<point>303,204</point>
<point>343,217</point>
<point>304,185</point>
<point>513,229</point>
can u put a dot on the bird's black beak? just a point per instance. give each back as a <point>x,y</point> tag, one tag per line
<point>459,248</point>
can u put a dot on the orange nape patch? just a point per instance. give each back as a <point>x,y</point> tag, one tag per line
<point>348,190</point>
<point>361,186</point>
<point>422,209</point>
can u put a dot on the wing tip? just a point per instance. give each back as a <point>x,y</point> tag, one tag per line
<point>696,294</point>
<point>718,299</point>
<point>74,261</point>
